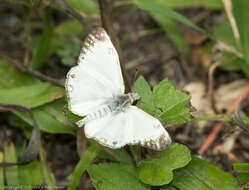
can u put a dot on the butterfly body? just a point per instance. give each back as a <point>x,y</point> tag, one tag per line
<point>119,102</point>
<point>95,91</point>
<point>112,105</point>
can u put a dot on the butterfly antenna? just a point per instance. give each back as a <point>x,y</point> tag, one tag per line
<point>134,78</point>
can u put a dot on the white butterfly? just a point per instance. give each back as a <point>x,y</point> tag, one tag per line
<point>95,90</point>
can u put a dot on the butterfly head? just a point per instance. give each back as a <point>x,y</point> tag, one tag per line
<point>133,96</point>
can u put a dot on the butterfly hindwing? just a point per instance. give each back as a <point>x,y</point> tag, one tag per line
<point>131,126</point>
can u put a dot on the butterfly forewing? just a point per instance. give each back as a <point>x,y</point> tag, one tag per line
<point>99,55</point>
<point>97,77</point>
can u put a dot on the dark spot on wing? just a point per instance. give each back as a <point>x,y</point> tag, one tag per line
<point>69,88</point>
<point>110,50</point>
<point>72,75</point>
<point>157,144</point>
<point>99,34</point>
<point>95,36</point>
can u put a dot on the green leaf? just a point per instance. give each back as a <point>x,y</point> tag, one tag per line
<point>69,53</point>
<point>245,119</point>
<point>36,178</point>
<point>12,175</point>
<point>1,170</point>
<point>70,27</point>
<point>230,62</point>
<point>82,165</point>
<point>158,170</point>
<point>224,33</point>
<point>157,8</point>
<point>119,155</point>
<point>234,63</point>
<point>31,96</point>
<point>142,87</point>
<point>243,172</point>
<point>19,88</point>
<point>40,51</point>
<point>243,177</point>
<point>201,175</point>
<point>165,103</point>
<point>146,102</point>
<point>241,167</point>
<point>12,78</point>
<point>241,15</point>
<point>171,103</point>
<point>50,118</point>
<point>15,121</point>
<point>85,6</point>
<point>115,177</point>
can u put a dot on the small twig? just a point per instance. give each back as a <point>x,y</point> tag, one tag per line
<point>74,13</point>
<point>18,65</point>
<point>81,142</point>
<point>105,10</point>
<point>34,143</point>
<point>229,11</point>
<point>218,126</point>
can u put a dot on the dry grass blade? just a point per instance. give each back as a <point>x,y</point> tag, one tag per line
<point>229,12</point>
<point>211,86</point>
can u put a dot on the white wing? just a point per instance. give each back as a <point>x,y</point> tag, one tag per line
<point>132,126</point>
<point>97,76</point>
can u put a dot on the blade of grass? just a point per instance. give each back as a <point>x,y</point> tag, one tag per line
<point>156,7</point>
<point>48,176</point>
<point>1,172</point>
<point>82,165</point>
<point>12,177</point>
<point>35,179</point>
